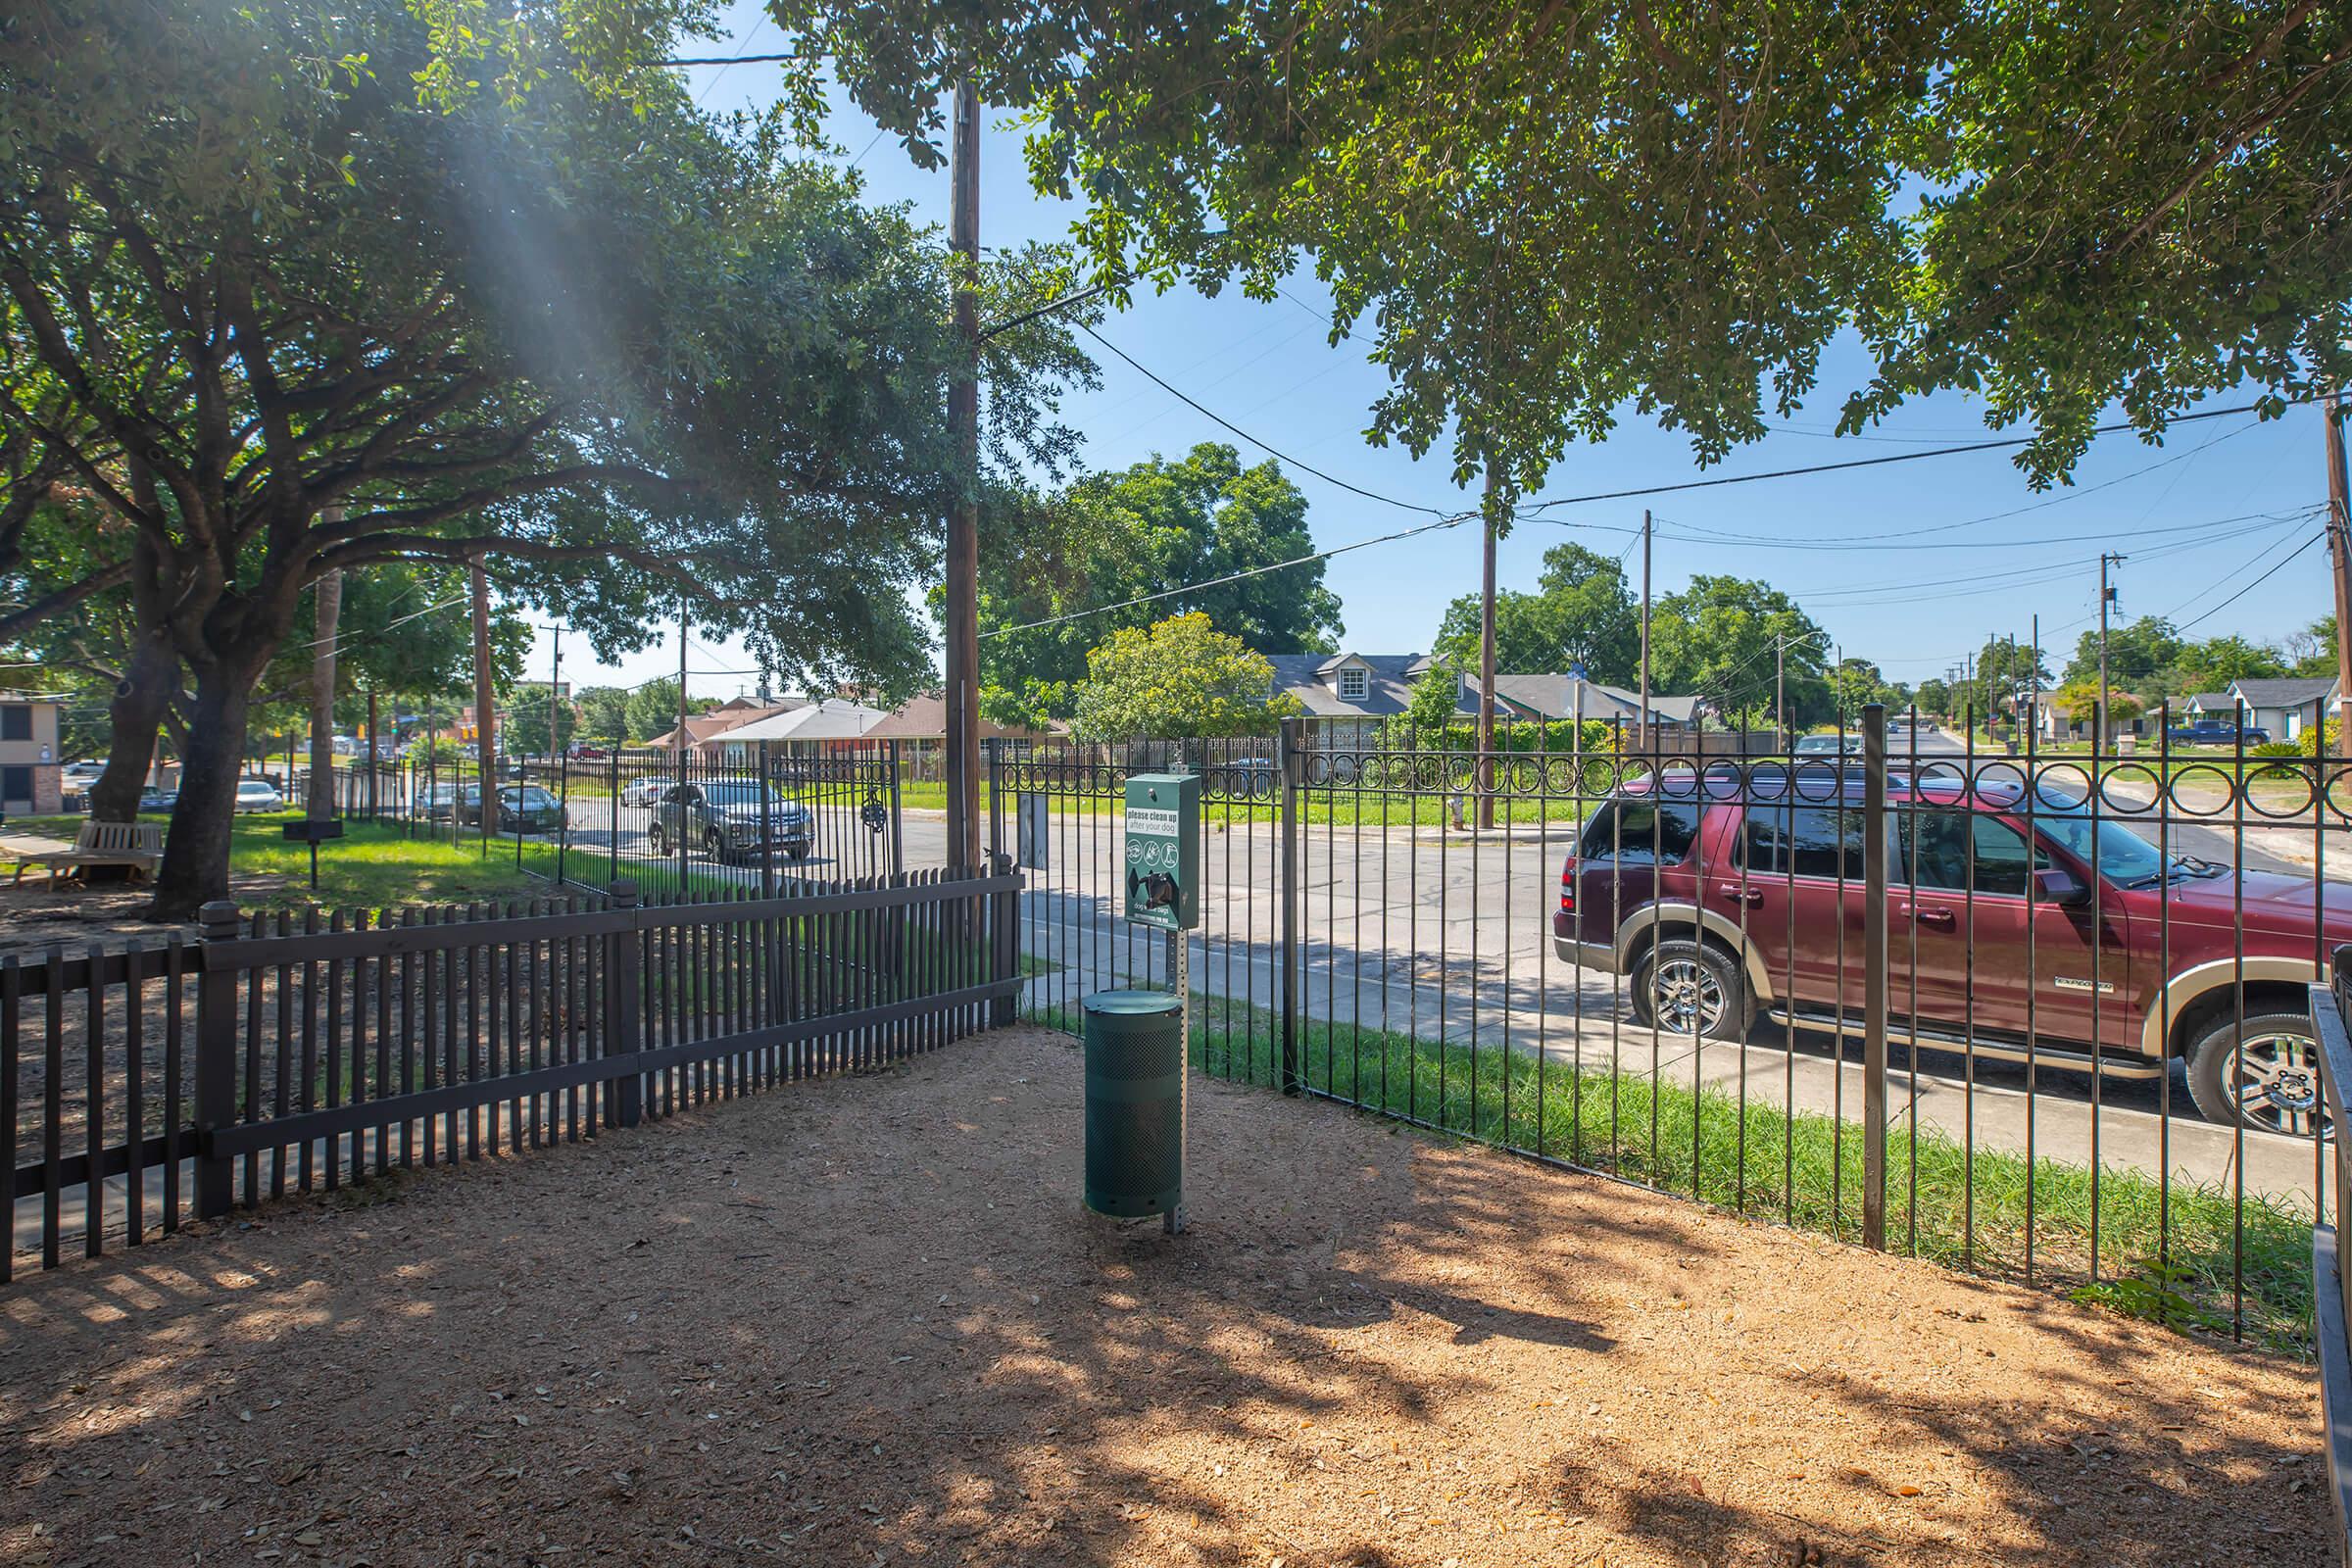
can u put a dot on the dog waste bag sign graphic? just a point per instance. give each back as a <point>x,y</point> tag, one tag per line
<point>1163,849</point>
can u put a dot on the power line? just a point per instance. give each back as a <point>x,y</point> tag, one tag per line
<point>1867,463</point>
<point>1235,577</point>
<point>1220,419</point>
<point>2250,587</point>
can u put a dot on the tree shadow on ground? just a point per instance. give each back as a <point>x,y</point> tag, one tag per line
<point>864,1319</point>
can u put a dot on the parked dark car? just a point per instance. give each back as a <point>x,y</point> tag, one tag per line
<point>527,808</point>
<point>1756,905</point>
<point>724,817</point>
<point>155,800</point>
<point>2214,732</point>
<point>445,800</point>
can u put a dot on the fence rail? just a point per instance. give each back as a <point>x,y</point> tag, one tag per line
<point>736,824</point>
<point>143,1088</point>
<point>1942,996</point>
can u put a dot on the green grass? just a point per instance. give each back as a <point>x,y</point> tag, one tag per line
<point>1806,1170</point>
<point>375,867</point>
<point>1341,805</point>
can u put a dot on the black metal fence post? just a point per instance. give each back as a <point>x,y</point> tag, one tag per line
<point>1874,975</point>
<point>768,847</point>
<point>898,839</point>
<point>216,1058</point>
<point>625,1005</point>
<point>1004,924</point>
<point>613,822</point>
<point>1285,764</point>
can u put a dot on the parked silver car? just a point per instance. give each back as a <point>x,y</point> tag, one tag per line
<point>724,818</point>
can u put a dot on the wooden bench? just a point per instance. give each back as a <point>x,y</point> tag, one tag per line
<point>137,844</point>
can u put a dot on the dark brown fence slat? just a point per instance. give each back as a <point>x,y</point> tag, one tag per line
<point>53,1132</point>
<point>704,998</point>
<point>12,991</point>
<point>135,1097</point>
<point>93,1092</point>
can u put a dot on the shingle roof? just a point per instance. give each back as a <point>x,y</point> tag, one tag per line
<point>924,718</point>
<point>2292,692</point>
<point>1554,697</point>
<point>1387,689</point>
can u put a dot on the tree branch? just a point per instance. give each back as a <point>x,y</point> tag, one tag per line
<point>15,623</point>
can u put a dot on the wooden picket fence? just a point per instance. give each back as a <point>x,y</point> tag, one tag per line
<point>141,1088</point>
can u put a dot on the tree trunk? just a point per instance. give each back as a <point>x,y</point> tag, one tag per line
<point>320,805</point>
<point>141,698</point>
<point>485,712</point>
<point>195,866</point>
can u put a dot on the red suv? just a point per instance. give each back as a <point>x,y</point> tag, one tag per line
<point>1743,893</point>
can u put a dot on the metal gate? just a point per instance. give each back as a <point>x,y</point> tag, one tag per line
<point>1967,986</point>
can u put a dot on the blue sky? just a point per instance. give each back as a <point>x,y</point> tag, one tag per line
<point>2188,514</point>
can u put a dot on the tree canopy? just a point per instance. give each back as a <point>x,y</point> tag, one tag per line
<point>1716,639</point>
<point>1582,612</point>
<point>1129,533</point>
<point>1546,213</point>
<point>1177,680</point>
<point>303,288</point>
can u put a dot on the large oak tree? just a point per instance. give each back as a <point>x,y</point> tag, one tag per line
<point>1546,213</point>
<point>304,288</point>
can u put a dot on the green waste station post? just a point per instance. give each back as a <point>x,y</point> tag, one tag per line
<point>1135,1136</point>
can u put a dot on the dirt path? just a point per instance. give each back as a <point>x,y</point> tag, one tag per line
<point>865,1322</point>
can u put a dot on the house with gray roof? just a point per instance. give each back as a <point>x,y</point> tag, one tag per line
<point>1348,697</point>
<point>2285,707</point>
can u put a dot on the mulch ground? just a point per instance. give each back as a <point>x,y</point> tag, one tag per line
<point>864,1321</point>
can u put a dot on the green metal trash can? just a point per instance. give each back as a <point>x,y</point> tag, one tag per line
<point>1134,1102</point>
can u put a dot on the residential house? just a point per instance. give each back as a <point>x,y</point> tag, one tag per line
<point>1568,696</point>
<point>833,724</point>
<point>2207,705</point>
<point>1348,697</point>
<point>2053,722</point>
<point>703,730</point>
<point>29,764</point>
<point>2285,707</point>
<point>919,728</point>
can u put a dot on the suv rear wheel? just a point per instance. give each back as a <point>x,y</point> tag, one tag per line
<point>2266,1075</point>
<point>1680,980</point>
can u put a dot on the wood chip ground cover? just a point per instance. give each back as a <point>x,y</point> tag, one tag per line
<point>864,1321</point>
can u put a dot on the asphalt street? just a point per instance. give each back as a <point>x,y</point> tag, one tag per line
<point>1449,933</point>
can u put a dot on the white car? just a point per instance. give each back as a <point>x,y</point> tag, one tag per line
<point>643,790</point>
<point>259,795</point>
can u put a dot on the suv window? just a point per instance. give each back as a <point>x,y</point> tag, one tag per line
<point>1936,846</point>
<point>1632,831</point>
<point>1804,840</point>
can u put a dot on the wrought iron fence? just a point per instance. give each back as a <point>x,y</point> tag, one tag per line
<point>142,1088</point>
<point>2029,1011</point>
<point>701,823</point>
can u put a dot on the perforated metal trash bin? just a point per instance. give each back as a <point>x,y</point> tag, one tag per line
<point>1134,1102</point>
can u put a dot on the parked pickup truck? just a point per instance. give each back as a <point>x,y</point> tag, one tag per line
<point>2214,732</point>
<point>723,816</point>
<point>1756,905</point>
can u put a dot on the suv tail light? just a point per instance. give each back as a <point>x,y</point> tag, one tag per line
<point>1568,888</point>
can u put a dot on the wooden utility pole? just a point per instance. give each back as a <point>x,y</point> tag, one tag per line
<point>485,706</point>
<point>962,691</point>
<point>319,800</point>
<point>2339,549</point>
<point>1641,719</point>
<point>678,739</point>
<point>555,678</point>
<point>1780,692</point>
<point>2099,725</point>
<point>1485,657</point>
<point>375,759</point>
